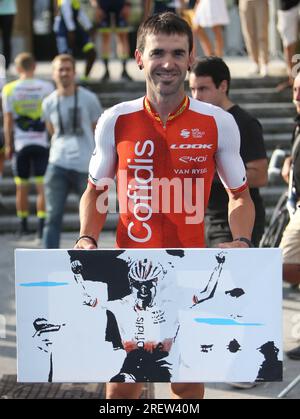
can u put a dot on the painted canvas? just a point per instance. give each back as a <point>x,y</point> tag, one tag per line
<point>155,315</point>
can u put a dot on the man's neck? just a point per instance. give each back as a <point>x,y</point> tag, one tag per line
<point>226,104</point>
<point>26,76</point>
<point>66,91</point>
<point>165,105</point>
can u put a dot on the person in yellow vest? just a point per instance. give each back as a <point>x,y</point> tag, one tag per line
<point>26,139</point>
<point>73,29</point>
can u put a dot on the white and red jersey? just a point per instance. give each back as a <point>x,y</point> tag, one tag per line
<point>132,143</point>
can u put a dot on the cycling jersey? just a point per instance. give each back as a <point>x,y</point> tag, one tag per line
<point>132,142</point>
<point>23,98</point>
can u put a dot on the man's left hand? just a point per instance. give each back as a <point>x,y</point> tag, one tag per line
<point>233,244</point>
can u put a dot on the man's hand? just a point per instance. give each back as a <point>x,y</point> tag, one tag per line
<point>76,267</point>
<point>85,244</point>
<point>233,244</point>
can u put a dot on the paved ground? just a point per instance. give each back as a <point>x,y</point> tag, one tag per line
<point>291,306</point>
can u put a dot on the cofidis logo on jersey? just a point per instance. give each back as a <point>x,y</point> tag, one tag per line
<point>147,195</point>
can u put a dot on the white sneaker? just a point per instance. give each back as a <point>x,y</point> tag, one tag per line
<point>254,69</point>
<point>264,71</point>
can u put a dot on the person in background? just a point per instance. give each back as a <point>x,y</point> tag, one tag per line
<point>2,147</point>
<point>211,14</point>
<point>290,243</point>
<point>71,114</point>
<point>8,10</point>
<point>160,6</point>
<point>288,27</point>
<point>73,29</point>
<point>112,15</point>
<point>26,139</point>
<point>210,82</point>
<point>254,15</point>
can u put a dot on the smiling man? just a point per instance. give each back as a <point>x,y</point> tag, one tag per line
<point>168,143</point>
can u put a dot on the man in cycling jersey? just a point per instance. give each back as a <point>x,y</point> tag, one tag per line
<point>164,139</point>
<point>26,139</point>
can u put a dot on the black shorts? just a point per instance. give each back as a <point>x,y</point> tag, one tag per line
<point>30,161</point>
<point>160,7</point>
<point>112,11</point>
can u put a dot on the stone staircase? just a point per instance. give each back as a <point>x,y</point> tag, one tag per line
<point>259,96</point>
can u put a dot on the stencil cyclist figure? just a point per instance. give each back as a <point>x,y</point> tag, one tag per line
<point>147,319</point>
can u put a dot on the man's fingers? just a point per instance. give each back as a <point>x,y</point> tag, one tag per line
<point>234,244</point>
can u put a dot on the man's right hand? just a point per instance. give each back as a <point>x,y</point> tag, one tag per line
<point>85,244</point>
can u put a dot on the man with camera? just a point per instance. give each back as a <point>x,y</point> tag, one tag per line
<point>290,243</point>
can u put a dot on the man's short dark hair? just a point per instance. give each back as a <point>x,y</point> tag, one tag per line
<point>213,67</point>
<point>167,23</point>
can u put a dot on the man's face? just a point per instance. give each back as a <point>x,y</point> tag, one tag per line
<point>165,60</point>
<point>296,93</point>
<point>63,73</point>
<point>204,89</point>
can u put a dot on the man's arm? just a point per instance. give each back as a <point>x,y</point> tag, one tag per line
<point>50,128</point>
<point>8,125</point>
<point>147,9</point>
<point>257,173</point>
<point>241,216</point>
<point>285,172</point>
<point>91,220</point>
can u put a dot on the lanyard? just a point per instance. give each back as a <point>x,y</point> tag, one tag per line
<point>61,126</point>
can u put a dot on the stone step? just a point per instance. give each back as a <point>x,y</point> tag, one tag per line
<point>236,83</point>
<point>240,96</point>
<point>270,110</point>
<point>9,224</point>
<point>277,125</point>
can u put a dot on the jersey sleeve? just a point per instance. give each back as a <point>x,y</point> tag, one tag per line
<point>6,98</point>
<point>230,166</point>
<point>252,146</point>
<point>103,163</point>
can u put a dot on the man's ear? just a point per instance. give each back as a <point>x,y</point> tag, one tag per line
<point>224,86</point>
<point>138,59</point>
<point>191,61</point>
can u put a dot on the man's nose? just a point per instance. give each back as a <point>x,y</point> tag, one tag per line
<point>297,95</point>
<point>168,61</point>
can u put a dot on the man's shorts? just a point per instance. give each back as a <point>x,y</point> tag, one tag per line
<point>83,40</point>
<point>288,25</point>
<point>30,161</point>
<point>290,243</point>
<point>113,18</point>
